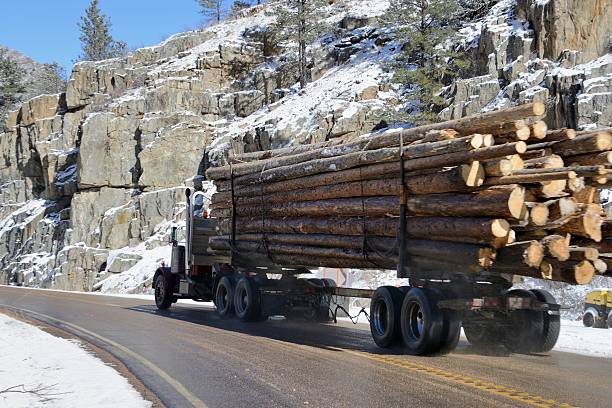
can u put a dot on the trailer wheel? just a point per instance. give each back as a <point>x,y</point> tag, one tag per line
<point>422,323</point>
<point>385,312</point>
<point>482,335</point>
<point>526,327</point>
<point>551,323</point>
<point>452,331</point>
<point>224,297</point>
<point>247,304</point>
<point>163,294</point>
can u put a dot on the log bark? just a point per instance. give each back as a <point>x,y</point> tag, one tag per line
<point>452,228</point>
<point>586,225</point>
<point>463,254</point>
<point>494,203</point>
<point>583,254</point>
<point>576,273</point>
<point>556,246</point>
<point>560,135</point>
<point>530,253</point>
<point>458,179</point>
<point>599,142</point>
<point>597,159</point>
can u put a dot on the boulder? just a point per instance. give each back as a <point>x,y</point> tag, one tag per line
<point>122,262</point>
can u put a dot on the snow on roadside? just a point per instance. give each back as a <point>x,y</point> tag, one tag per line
<point>63,373</point>
<point>577,339</point>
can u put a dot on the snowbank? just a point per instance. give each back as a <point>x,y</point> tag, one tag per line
<point>39,370</point>
<point>577,339</point>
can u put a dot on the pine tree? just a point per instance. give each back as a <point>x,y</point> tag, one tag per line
<point>212,9</point>
<point>427,61</point>
<point>11,85</point>
<point>300,22</point>
<point>51,79</point>
<point>96,41</point>
<point>238,6</point>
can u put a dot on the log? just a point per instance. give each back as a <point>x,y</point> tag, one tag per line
<point>599,142</point>
<point>347,153</point>
<point>530,253</point>
<point>556,246</point>
<point>530,178</point>
<point>458,179</point>
<point>463,254</point>
<point>601,267</point>
<point>438,135</point>
<point>375,159</point>
<point>495,203</point>
<point>576,273</point>
<point>499,167</point>
<point>587,224</point>
<point>538,130</point>
<point>545,162</point>
<point>538,214</point>
<point>561,208</point>
<point>453,228</point>
<point>583,254</point>
<point>597,159</point>
<point>586,195</point>
<point>560,135</point>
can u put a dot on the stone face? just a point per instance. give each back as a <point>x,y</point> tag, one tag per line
<point>108,152</point>
<point>174,155</point>
<point>582,25</point>
<point>87,210</point>
<point>41,107</point>
<point>159,206</point>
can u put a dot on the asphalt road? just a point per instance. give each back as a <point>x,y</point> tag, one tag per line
<point>188,356</point>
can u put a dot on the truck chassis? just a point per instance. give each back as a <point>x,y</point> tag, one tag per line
<point>426,316</point>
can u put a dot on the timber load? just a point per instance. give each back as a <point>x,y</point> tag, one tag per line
<point>497,193</point>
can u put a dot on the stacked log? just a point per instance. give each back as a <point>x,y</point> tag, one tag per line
<point>496,192</point>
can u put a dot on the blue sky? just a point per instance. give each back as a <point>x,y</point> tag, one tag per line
<point>47,31</point>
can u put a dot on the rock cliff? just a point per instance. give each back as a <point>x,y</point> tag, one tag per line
<point>93,179</point>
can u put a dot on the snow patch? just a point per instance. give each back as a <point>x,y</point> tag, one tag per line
<point>64,373</point>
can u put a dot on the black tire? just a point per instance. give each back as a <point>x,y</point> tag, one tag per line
<point>247,304</point>
<point>224,297</point>
<point>452,331</point>
<point>422,323</point>
<point>329,283</point>
<point>526,327</point>
<point>483,335</point>
<point>385,313</point>
<point>610,320</point>
<point>551,323</point>
<point>588,320</point>
<point>163,294</point>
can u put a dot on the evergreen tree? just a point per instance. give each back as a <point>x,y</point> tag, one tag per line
<point>51,79</point>
<point>96,41</point>
<point>238,6</point>
<point>427,61</point>
<point>11,85</point>
<point>299,22</point>
<point>212,9</point>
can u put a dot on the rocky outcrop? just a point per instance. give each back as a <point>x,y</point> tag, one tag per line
<point>93,178</point>
<point>554,51</point>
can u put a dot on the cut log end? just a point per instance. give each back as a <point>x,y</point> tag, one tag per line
<point>473,174</point>
<point>500,228</point>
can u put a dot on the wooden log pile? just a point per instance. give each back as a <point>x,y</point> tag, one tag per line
<point>496,192</point>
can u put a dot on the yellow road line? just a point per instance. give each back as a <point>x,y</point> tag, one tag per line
<point>482,385</point>
<point>178,387</point>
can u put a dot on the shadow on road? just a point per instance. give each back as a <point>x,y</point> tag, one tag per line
<point>326,336</point>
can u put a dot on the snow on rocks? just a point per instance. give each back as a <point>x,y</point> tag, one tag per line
<point>46,371</point>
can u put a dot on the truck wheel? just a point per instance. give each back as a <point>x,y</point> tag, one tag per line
<point>246,300</point>
<point>163,294</point>
<point>452,331</point>
<point>385,311</point>
<point>422,323</point>
<point>482,335</point>
<point>224,297</point>
<point>329,283</point>
<point>526,327</point>
<point>551,323</point>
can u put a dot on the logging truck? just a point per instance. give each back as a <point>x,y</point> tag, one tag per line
<point>427,316</point>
